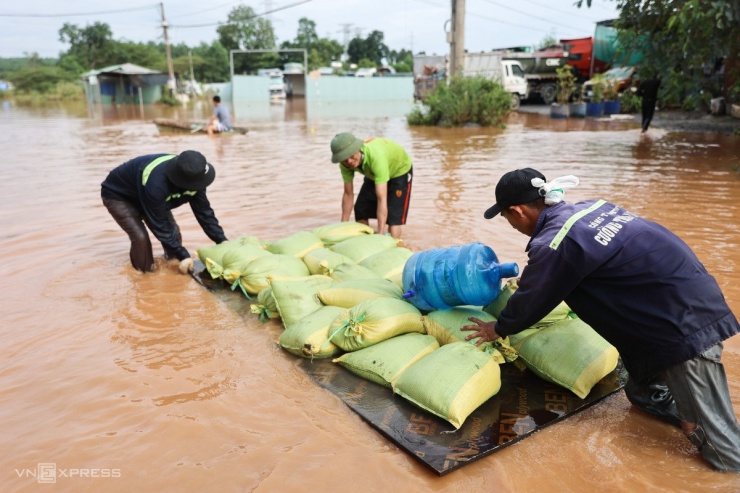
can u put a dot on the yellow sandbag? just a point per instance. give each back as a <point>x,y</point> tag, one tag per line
<point>332,234</point>
<point>496,306</point>
<point>298,244</point>
<point>444,326</point>
<point>372,321</point>
<point>322,261</point>
<point>348,271</point>
<point>385,361</point>
<point>212,255</point>
<point>265,306</point>
<point>351,292</point>
<point>296,296</point>
<point>361,247</point>
<point>235,261</point>
<point>568,353</point>
<point>388,263</point>
<point>309,337</point>
<point>254,278</point>
<point>397,280</point>
<point>452,382</point>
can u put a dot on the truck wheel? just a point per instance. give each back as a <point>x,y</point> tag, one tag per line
<point>548,93</point>
<point>515,102</point>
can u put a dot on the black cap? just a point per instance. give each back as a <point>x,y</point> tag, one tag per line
<point>190,171</point>
<point>515,188</point>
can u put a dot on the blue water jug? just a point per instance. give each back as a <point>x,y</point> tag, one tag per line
<point>460,275</point>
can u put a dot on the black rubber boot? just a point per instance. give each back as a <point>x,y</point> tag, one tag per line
<point>653,397</point>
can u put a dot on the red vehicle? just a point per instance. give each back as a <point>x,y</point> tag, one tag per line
<point>580,56</point>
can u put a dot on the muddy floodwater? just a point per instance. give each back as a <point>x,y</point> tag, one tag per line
<point>152,383</point>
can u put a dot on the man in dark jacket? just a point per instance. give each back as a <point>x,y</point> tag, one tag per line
<point>145,189</point>
<point>648,91</point>
<point>638,285</point>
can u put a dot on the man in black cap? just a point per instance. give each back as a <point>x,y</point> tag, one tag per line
<point>635,283</point>
<point>145,189</point>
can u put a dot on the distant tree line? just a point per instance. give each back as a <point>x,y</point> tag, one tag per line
<point>694,46</point>
<point>94,47</point>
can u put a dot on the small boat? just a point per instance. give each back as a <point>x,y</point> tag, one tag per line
<point>179,126</point>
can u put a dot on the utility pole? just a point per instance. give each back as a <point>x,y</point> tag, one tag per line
<point>192,74</point>
<point>457,38</point>
<point>171,81</point>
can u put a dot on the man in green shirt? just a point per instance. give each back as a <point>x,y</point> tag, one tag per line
<point>386,189</point>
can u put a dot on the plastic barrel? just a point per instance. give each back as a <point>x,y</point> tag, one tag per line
<point>460,275</point>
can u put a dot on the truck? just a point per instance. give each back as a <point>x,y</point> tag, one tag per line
<point>539,71</point>
<point>509,73</point>
<point>586,56</point>
<point>277,83</point>
<point>430,70</point>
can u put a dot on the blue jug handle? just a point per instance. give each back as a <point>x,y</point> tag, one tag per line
<point>509,269</point>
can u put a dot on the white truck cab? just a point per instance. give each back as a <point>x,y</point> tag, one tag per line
<point>509,73</point>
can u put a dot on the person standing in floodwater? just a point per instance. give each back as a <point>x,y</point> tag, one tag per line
<point>648,91</point>
<point>144,190</point>
<point>386,189</point>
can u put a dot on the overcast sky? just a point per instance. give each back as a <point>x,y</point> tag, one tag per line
<point>30,26</point>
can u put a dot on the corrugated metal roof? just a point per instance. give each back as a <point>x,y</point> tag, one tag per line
<point>123,69</point>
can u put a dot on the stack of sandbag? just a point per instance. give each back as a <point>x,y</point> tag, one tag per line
<point>338,292</point>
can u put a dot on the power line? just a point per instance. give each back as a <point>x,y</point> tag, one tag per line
<point>82,14</point>
<point>472,14</point>
<point>209,9</point>
<point>562,11</point>
<point>529,15</point>
<point>255,15</point>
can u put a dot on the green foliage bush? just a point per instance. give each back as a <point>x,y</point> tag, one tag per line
<point>39,79</point>
<point>566,83</point>
<point>67,91</point>
<point>630,102</point>
<point>169,99</point>
<point>598,88</point>
<point>466,100</point>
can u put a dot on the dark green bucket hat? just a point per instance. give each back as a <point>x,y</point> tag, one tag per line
<point>344,145</point>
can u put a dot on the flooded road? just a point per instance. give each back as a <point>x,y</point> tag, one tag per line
<point>158,383</point>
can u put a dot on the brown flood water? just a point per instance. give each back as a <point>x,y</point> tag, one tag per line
<point>154,379</point>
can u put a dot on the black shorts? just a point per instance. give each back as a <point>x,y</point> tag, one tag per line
<point>399,197</point>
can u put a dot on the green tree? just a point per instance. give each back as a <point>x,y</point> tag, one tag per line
<point>39,79</point>
<point>320,51</point>
<point>306,36</point>
<point>210,63</point>
<point>244,30</point>
<point>371,48</point>
<point>89,45</point>
<point>215,66</point>
<point>402,61</point>
<point>146,55</point>
<point>545,42</point>
<point>683,42</point>
<point>10,65</point>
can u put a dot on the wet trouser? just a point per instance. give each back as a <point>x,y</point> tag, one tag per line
<point>132,220</point>
<point>699,387</point>
<point>648,110</point>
